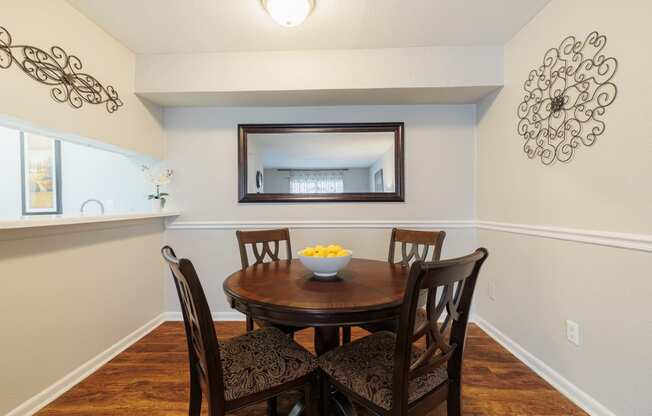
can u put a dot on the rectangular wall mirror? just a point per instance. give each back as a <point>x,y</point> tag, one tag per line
<point>321,162</point>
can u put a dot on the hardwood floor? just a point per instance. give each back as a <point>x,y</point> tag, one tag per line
<point>151,378</point>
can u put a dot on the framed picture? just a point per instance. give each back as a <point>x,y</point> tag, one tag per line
<point>379,184</point>
<point>40,161</point>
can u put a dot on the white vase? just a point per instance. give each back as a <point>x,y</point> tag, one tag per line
<point>156,205</point>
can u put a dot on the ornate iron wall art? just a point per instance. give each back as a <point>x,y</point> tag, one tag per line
<point>58,70</point>
<point>566,98</point>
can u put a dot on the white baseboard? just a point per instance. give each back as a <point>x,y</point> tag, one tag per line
<point>217,316</point>
<point>563,385</point>
<point>48,395</point>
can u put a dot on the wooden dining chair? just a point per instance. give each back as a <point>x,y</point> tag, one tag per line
<point>250,368</point>
<point>414,246</point>
<point>264,238</point>
<point>262,254</point>
<point>386,372</point>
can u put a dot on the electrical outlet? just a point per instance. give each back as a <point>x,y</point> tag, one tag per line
<point>492,290</point>
<point>573,332</point>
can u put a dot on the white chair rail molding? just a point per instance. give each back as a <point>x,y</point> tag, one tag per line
<point>325,208</point>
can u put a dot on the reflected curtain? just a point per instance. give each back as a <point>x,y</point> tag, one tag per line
<point>316,182</point>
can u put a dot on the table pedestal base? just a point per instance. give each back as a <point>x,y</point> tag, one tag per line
<point>326,338</point>
<point>339,406</point>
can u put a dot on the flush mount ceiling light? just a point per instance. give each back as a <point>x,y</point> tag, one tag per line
<point>289,13</point>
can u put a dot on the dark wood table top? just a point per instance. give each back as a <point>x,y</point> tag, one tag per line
<point>285,292</point>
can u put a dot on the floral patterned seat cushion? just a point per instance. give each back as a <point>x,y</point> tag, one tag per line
<point>366,367</point>
<point>260,360</point>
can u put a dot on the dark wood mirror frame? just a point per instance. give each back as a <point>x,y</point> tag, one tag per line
<point>399,178</point>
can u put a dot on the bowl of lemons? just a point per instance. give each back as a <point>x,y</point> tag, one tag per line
<point>325,261</point>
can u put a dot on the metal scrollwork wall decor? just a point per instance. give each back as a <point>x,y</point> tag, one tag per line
<point>60,71</point>
<point>566,98</point>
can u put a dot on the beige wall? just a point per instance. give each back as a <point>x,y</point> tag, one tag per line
<point>605,188</point>
<point>202,148</point>
<point>68,296</point>
<point>136,126</point>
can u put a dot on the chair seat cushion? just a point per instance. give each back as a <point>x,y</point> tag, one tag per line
<point>260,360</point>
<point>392,325</point>
<point>366,367</point>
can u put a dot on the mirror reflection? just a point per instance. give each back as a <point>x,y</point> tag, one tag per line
<point>320,163</point>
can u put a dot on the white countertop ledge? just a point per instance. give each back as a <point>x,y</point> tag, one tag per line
<point>38,221</point>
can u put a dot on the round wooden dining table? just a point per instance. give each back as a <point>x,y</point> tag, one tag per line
<point>285,292</point>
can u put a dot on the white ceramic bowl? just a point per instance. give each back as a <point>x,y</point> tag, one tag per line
<point>326,267</point>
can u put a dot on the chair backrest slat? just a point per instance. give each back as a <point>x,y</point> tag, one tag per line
<point>415,245</point>
<point>203,349</point>
<point>450,285</point>
<point>263,238</point>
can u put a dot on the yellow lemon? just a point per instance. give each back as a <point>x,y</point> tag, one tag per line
<point>331,255</point>
<point>308,252</point>
<point>320,252</point>
<point>342,253</point>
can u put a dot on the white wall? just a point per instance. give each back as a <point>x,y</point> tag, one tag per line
<point>355,180</point>
<point>114,179</point>
<point>86,173</point>
<point>136,126</point>
<point>254,164</point>
<point>202,146</point>
<point>605,188</point>
<point>386,163</point>
<point>276,181</point>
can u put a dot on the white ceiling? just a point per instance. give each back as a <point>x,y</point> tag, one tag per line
<point>320,150</point>
<point>191,26</point>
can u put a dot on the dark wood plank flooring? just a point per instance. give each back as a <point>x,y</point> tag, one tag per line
<point>151,379</point>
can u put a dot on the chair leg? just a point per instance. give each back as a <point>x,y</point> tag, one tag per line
<point>346,334</point>
<point>195,397</point>
<point>271,407</point>
<point>250,323</point>
<point>325,395</point>
<point>454,400</point>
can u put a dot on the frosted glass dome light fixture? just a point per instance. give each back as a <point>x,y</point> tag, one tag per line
<point>289,13</point>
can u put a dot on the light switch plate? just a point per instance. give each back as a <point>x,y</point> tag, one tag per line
<point>573,332</point>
